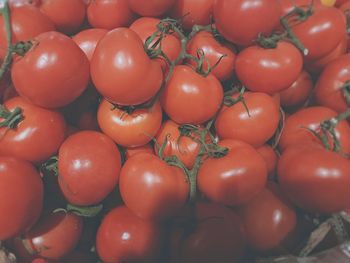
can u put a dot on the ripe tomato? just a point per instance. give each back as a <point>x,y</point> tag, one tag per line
<point>214,51</point>
<point>150,7</point>
<point>266,14</point>
<point>22,195</point>
<point>120,65</point>
<point>185,97</point>
<point>109,14</point>
<point>129,130</point>
<point>163,189</point>
<point>340,2</point>
<point>37,137</point>
<point>26,23</point>
<point>328,91</point>
<point>289,5</point>
<point>17,3</point>
<point>271,158</point>
<point>236,123</point>
<point>235,178</point>
<point>273,69</point>
<point>189,13</point>
<point>55,59</point>
<point>68,21</point>
<point>328,2</point>
<point>131,151</point>
<point>123,237</point>
<point>88,166</point>
<point>295,128</point>
<point>87,40</point>
<point>315,179</point>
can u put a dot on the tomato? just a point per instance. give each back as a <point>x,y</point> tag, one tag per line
<point>55,59</point>
<point>273,69</point>
<point>266,14</point>
<point>327,26</point>
<point>54,236</point>
<point>131,151</point>
<point>295,128</point>
<point>151,188</point>
<point>214,52</point>
<point>22,195</point>
<point>288,5</point>
<point>315,179</point>
<point>185,97</point>
<point>87,40</point>
<point>120,64</point>
<point>150,7</point>
<point>328,2</point>
<point>298,92</point>
<point>17,3</point>
<point>235,123</point>
<point>276,220</point>
<point>109,14</point>
<point>328,90</point>
<point>185,148</point>
<point>345,7</point>
<point>68,21</point>
<point>129,130</point>
<point>88,167</point>
<point>271,158</point>
<point>235,178</point>
<point>37,137</point>
<point>26,23</point>
<point>189,13</point>
<point>123,237</point>
<point>340,2</point>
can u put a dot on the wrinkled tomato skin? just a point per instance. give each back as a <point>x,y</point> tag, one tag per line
<point>123,237</point>
<point>163,189</point>
<point>271,158</point>
<point>37,137</point>
<point>150,7</point>
<point>129,130</point>
<point>22,194</point>
<point>131,151</point>
<point>88,166</point>
<point>55,59</point>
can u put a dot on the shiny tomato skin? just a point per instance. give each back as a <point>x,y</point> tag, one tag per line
<point>88,166</point>
<point>150,7</point>
<point>214,51</point>
<point>109,14</point>
<point>134,70</point>
<point>271,158</point>
<point>235,123</point>
<point>54,59</point>
<point>87,40</point>
<point>129,130</point>
<point>235,178</point>
<point>22,193</point>
<point>240,14</point>
<point>37,137</point>
<point>131,151</point>
<point>152,189</point>
<point>18,3</point>
<point>273,69</point>
<point>185,97</point>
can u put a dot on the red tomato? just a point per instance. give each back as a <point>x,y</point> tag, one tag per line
<point>189,13</point>
<point>273,69</point>
<point>120,65</point>
<point>109,14</point>
<point>37,137</point>
<point>9,93</point>
<point>295,128</point>
<point>123,237</point>
<point>150,7</point>
<point>340,2</point>
<point>235,178</point>
<point>186,96</point>
<point>235,123</point>
<point>185,148</point>
<point>68,21</point>
<point>26,23</point>
<point>17,3</point>
<point>345,6</point>
<point>87,40</point>
<point>88,166</point>
<point>276,220</point>
<point>266,14</point>
<point>289,5</point>
<point>298,92</point>
<point>213,51</point>
<point>315,179</point>
<point>55,59</point>
<point>22,195</point>
<point>129,130</point>
<point>151,188</point>
<point>131,151</point>
<point>328,91</point>
<point>270,156</point>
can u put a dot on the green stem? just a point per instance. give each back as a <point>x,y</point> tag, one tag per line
<point>8,57</point>
<point>11,118</point>
<point>293,37</point>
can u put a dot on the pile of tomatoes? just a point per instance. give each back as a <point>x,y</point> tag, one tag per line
<point>180,131</point>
